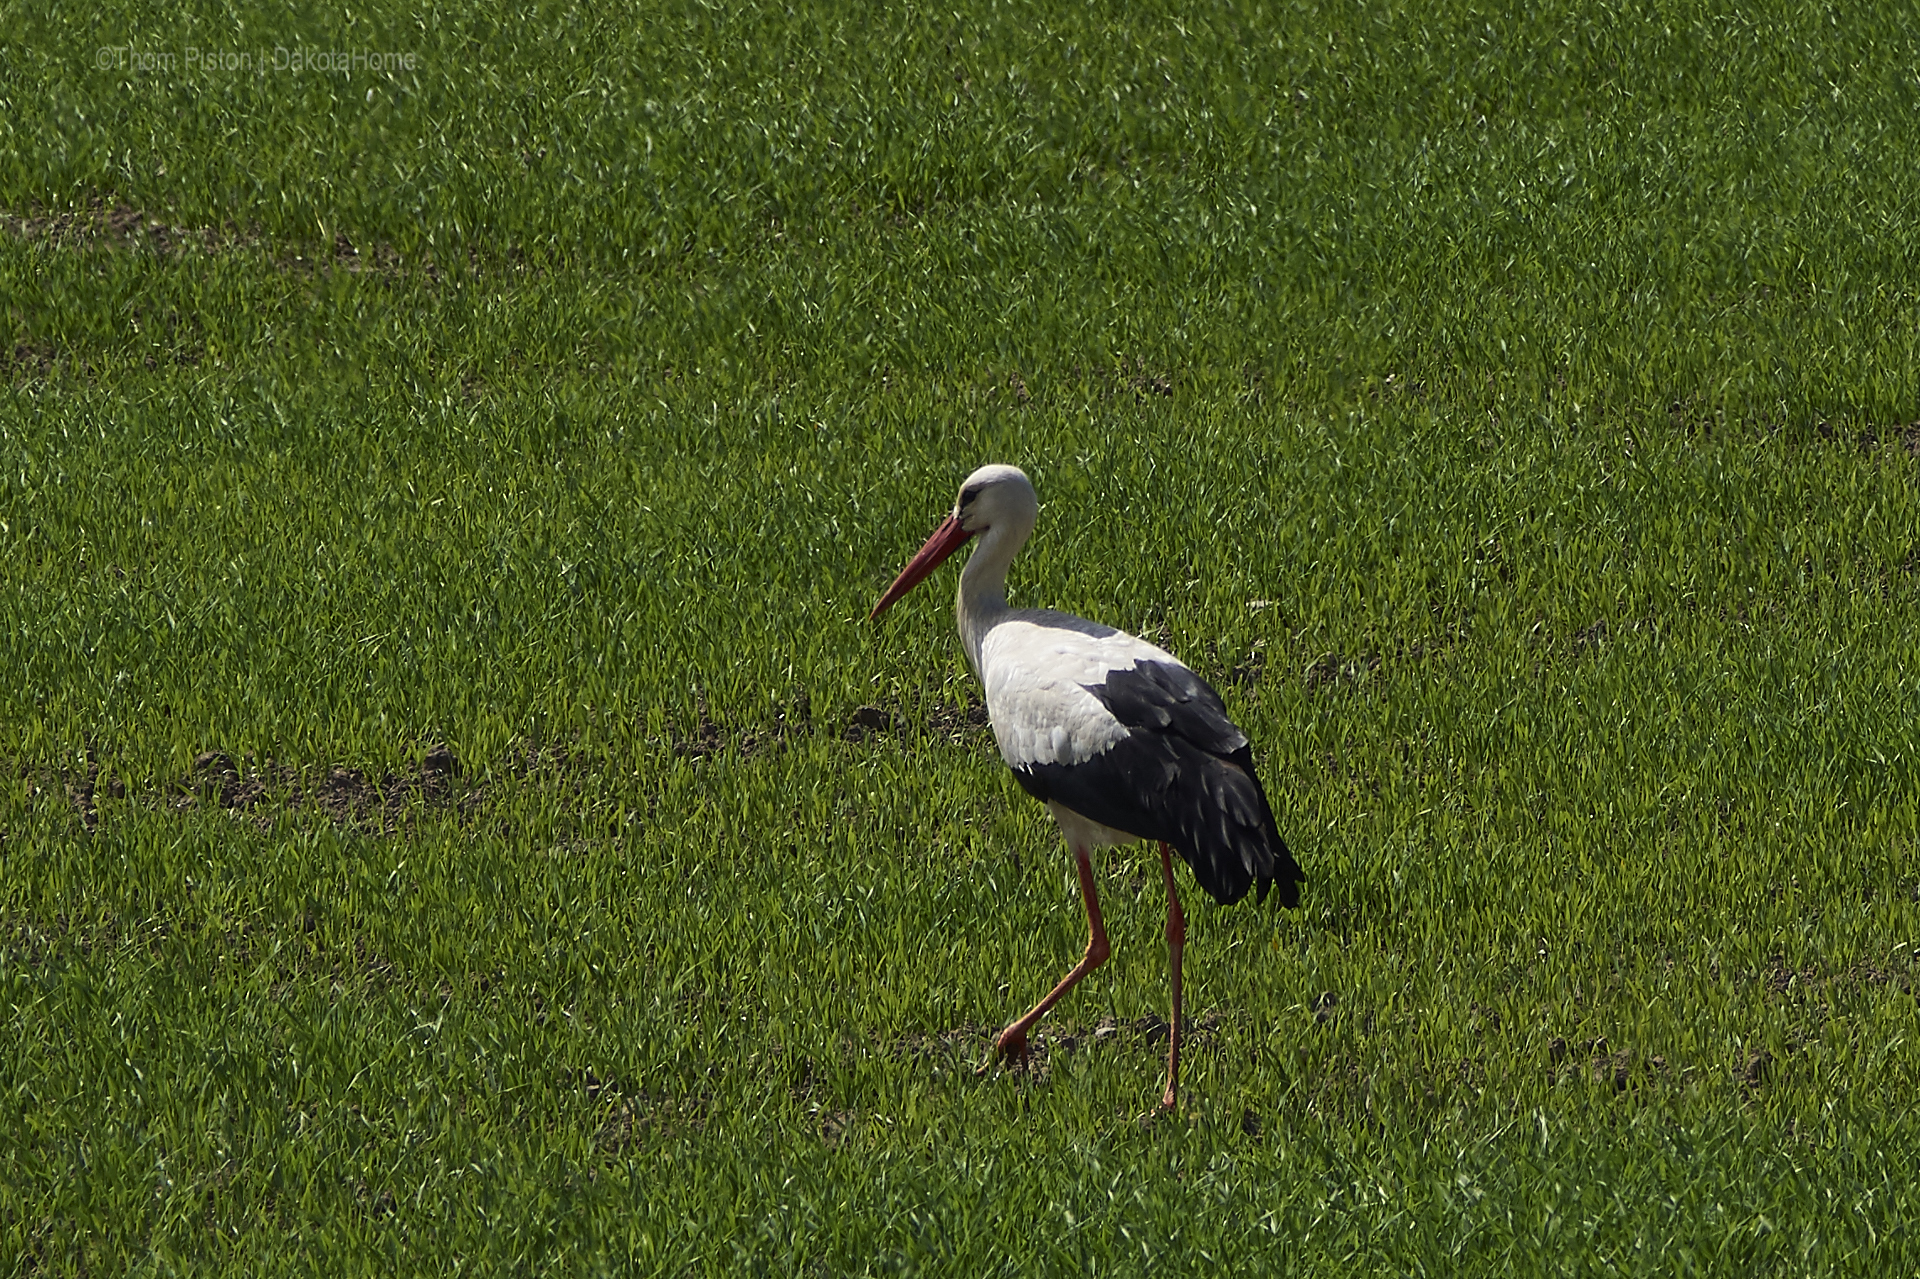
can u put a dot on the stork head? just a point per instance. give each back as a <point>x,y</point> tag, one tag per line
<point>995,496</point>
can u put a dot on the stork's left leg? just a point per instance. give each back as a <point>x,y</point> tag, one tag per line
<point>1013,1040</point>
<point>1176,942</point>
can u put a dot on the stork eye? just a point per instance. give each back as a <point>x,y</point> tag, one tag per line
<point>967,495</point>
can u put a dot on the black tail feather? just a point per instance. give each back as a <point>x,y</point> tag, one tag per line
<point>1231,840</point>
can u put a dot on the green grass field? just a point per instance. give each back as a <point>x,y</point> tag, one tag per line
<point>454,816</point>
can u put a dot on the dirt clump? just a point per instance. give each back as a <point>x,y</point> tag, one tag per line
<point>869,721</point>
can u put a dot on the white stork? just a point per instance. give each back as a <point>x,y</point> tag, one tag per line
<point>1115,736</point>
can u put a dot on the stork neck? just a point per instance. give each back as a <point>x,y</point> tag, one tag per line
<point>982,599</point>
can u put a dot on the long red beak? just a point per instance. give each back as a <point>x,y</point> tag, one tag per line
<point>945,541</point>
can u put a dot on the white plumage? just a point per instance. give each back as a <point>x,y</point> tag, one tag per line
<point>1035,667</point>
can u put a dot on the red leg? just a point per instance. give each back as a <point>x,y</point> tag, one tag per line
<point>1013,1040</point>
<point>1176,942</point>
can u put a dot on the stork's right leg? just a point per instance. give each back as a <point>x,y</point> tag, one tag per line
<point>1176,943</point>
<point>1013,1040</point>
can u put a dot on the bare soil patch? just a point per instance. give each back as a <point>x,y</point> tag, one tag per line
<point>350,797</point>
<point>948,723</point>
<point>705,737</point>
<point>1901,436</point>
<point>105,221</point>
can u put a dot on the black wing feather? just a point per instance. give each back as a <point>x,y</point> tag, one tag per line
<point>1184,775</point>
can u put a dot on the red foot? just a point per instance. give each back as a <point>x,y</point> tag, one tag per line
<point>1165,1108</point>
<point>1011,1043</point>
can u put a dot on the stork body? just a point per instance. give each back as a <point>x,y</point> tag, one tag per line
<point>1117,737</point>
